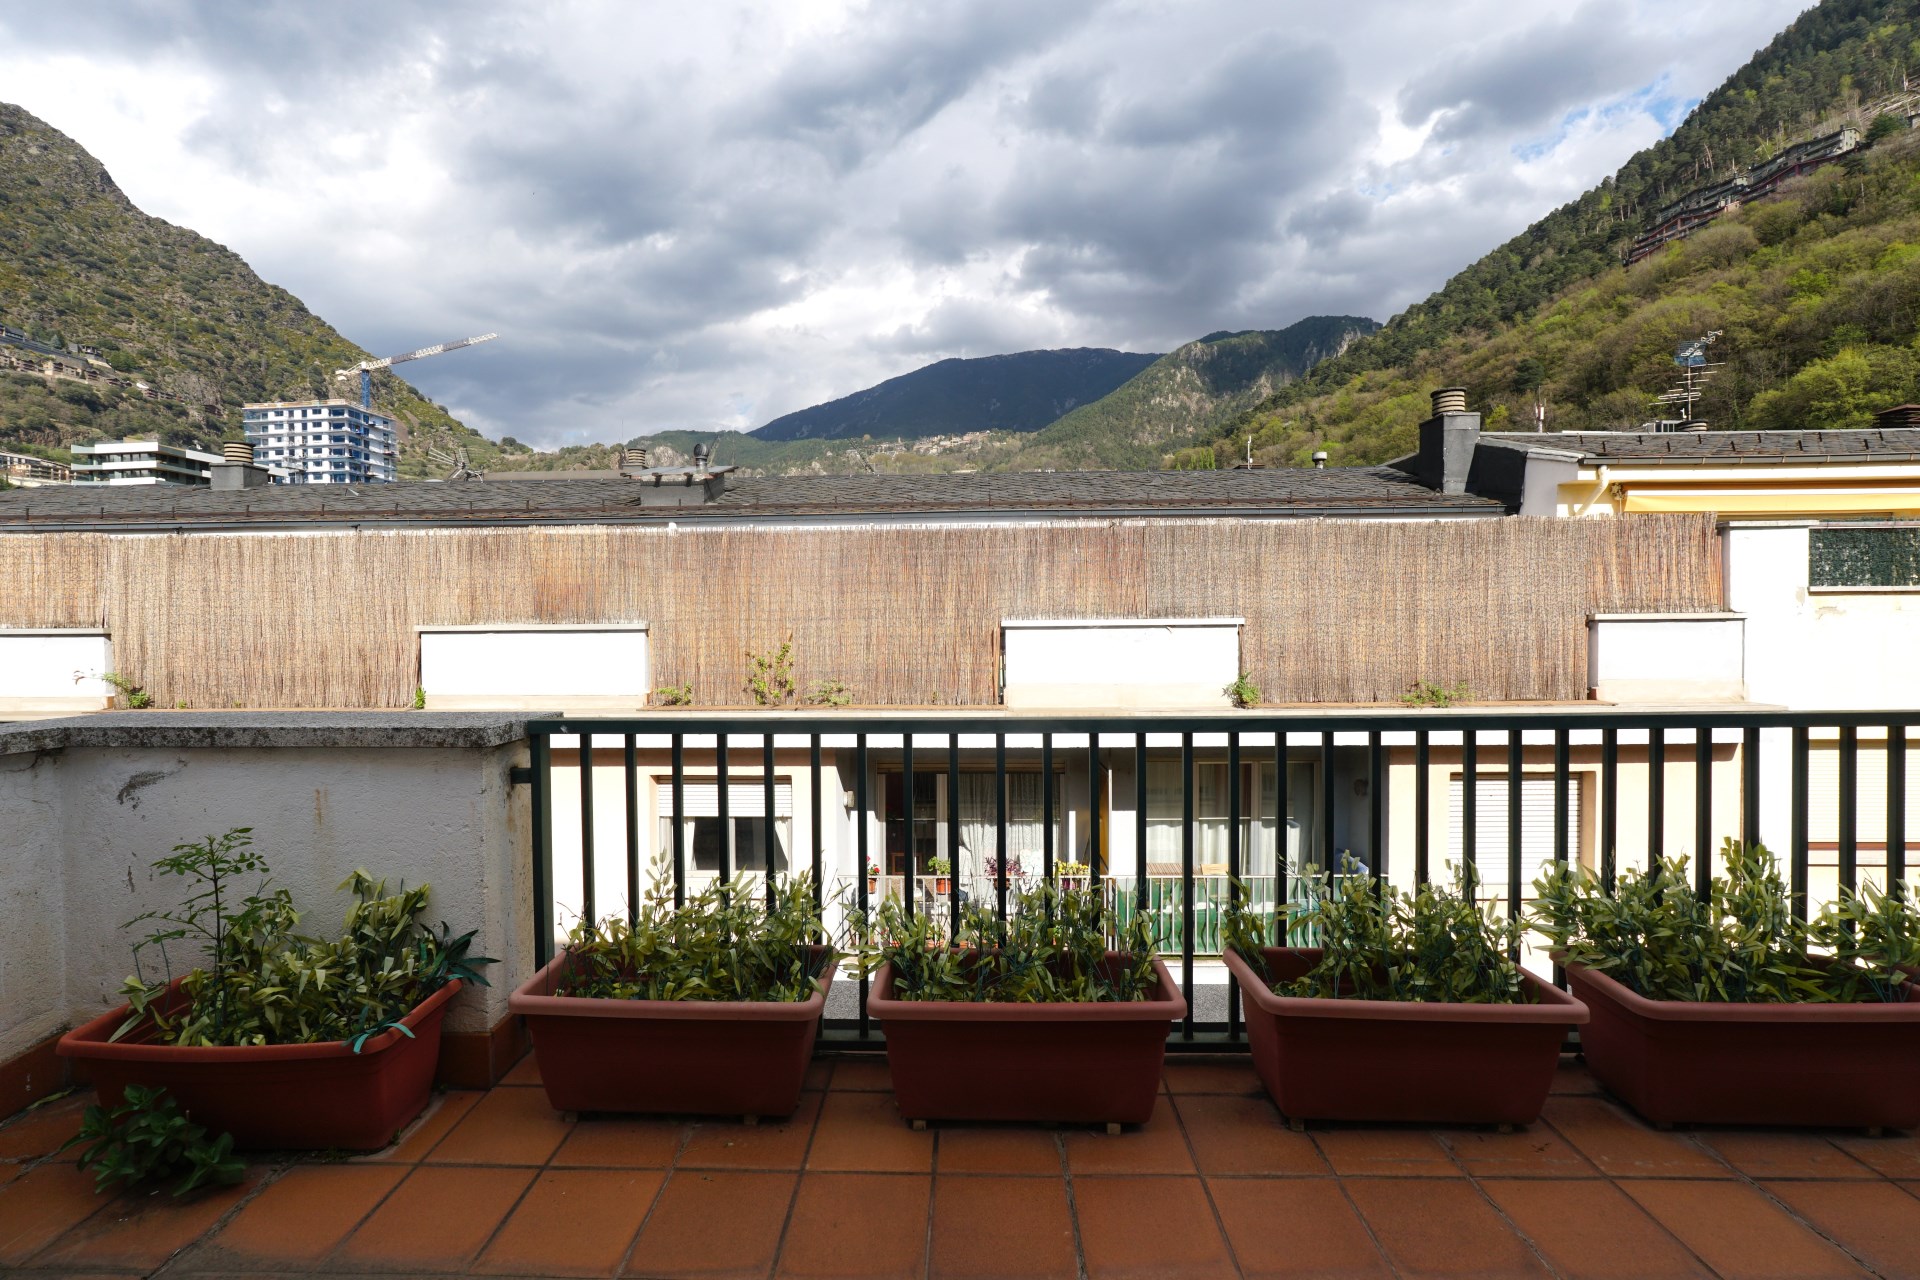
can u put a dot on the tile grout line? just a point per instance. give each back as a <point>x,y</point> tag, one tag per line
<point>1073,1207</point>
<point>653,1205</point>
<point>1740,1176</point>
<point>1219,1224</point>
<point>800,1175</point>
<point>1533,1246</point>
<point>213,1228</point>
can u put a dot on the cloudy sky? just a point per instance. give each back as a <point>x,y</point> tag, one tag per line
<point>708,214</point>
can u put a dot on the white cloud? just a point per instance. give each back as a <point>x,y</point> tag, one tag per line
<point>710,214</point>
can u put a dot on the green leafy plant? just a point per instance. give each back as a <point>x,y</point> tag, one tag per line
<point>1740,943</point>
<point>138,699</point>
<point>1425,693</point>
<point>939,866</point>
<point>723,943</point>
<point>148,1139</point>
<point>828,693</point>
<point>419,698</point>
<point>1378,942</point>
<point>673,695</point>
<point>1070,869</point>
<point>1244,692</point>
<point>770,675</point>
<point>261,982</point>
<point>1051,949</point>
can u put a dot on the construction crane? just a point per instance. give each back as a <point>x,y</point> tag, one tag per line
<point>366,367</point>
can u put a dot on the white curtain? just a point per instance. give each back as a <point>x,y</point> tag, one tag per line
<point>1025,829</point>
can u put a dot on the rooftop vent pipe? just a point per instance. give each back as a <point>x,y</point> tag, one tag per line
<point>700,455</point>
<point>633,461</point>
<point>1449,400</point>
<point>236,469</point>
<point>1320,459</point>
<point>237,451</point>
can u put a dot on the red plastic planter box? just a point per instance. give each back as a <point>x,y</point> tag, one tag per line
<point>1431,1063</point>
<point>1682,1062</point>
<point>1085,1063</point>
<point>676,1057</point>
<point>280,1096</point>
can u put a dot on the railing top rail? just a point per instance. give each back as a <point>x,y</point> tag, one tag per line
<point>1291,720</point>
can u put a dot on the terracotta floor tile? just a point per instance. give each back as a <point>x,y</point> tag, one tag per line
<point>997,1149</point>
<point>867,1073</point>
<point>608,1142</point>
<point>1161,1228</point>
<point>40,1132</point>
<point>1782,1155</point>
<point>1158,1146</point>
<point>714,1225</point>
<point>1738,1231</point>
<point>417,1139</point>
<point>436,1220</point>
<point>1623,1146</point>
<point>1295,1227</point>
<point>819,1074</point>
<point>1390,1152</point>
<point>142,1229</point>
<point>1011,1228</point>
<point>856,1226</point>
<point>508,1126</point>
<point>41,1204</point>
<point>1574,1078</point>
<point>525,1072</point>
<point>1535,1152</point>
<point>1213,1076</point>
<point>1895,1156</point>
<point>1441,1227</point>
<point>730,1144</point>
<point>1231,1134</point>
<point>301,1216</point>
<point>573,1222</point>
<point>863,1133</point>
<point>1591,1230</point>
<point>1877,1223</point>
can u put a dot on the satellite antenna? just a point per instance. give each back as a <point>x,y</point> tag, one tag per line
<point>1695,370</point>
<point>456,462</point>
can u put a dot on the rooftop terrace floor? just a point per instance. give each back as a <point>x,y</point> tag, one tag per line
<point>496,1183</point>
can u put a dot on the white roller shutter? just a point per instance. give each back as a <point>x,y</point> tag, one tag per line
<point>1490,834</point>
<point>1870,794</point>
<point>744,799</point>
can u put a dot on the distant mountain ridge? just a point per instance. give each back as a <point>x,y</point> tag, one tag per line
<point>1022,391</point>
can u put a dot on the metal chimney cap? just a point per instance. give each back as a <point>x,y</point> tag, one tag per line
<point>1320,458</point>
<point>1449,400</point>
<point>236,451</point>
<point>700,454</point>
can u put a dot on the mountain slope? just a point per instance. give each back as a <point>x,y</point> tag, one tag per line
<point>1809,79</point>
<point>1186,395</point>
<point>162,304</point>
<point>1023,391</point>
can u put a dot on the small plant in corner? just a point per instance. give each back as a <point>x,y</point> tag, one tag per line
<point>1243,691</point>
<point>770,675</point>
<point>419,698</point>
<point>673,695</point>
<point>138,699</point>
<point>1425,693</point>
<point>828,693</point>
<point>148,1139</point>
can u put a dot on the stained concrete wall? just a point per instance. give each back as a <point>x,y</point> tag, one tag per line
<point>87,805</point>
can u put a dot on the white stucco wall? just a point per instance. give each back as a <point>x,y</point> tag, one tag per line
<point>1818,650</point>
<point>1666,657</point>
<point>83,824</point>
<point>1120,663</point>
<point>54,671</point>
<point>516,667</point>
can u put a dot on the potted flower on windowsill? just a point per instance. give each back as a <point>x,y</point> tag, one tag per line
<point>873,877</point>
<point>1412,1007</point>
<point>941,870</point>
<point>282,1040</point>
<point>710,1008</point>
<point>1037,1018</point>
<point>1072,876</point>
<point>1727,1009</point>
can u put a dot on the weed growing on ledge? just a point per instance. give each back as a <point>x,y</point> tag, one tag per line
<point>770,675</point>
<point>828,693</point>
<point>1244,692</point>
<point>1425,693</point>
<point>673,695</point>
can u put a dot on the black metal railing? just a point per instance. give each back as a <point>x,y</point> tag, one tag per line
<point>1335,790</point>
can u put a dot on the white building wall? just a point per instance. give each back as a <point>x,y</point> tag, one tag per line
<point>585,667</point>
<point>54,672</point>
<point>1120,663</point>
<point>1666,657</point>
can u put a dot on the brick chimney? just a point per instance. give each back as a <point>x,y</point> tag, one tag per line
<point>1447,442</point>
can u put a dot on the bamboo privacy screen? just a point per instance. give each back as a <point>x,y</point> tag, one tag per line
<point>1336,611</point>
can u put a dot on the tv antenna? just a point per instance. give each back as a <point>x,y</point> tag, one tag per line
<point>459,468</point>
<point>1695,370</point>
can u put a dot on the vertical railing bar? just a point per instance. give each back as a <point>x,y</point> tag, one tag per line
<point>1377,806</point>
<point>1046,808</point>
<point>1186,879</point>
<point>816,836</point>
<point>1750,786</point>
<point>1562,806</point>
<point>1798,849</point>
<point>906,790</point>
<point>1656,798</point>
<point>1093,811</point>
<point>1139,822</point>
<point>953,835</point>
<point>1897,809</point>
<point>588,913</point>
<point>1326,800</point>
<point>862,853</point>
<point>679,821</point>
<point>1280,818</point>
<point>1702,810</point>
<point>1609,804</point>
<point>1234,805</point>
<point>1422,802</point>
<point>1849,854</point>
<point>633,832</point>
<point>1516,764</point>
<point>1000,831</point>
<point>540,758</point>
<point>725,800</point>
<point>768,828</point>
<point>1469,803</point>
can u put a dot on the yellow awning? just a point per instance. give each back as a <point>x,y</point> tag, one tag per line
<point>1777,502</point>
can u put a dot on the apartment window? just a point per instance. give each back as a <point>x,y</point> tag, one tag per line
<point>1212,808</point>
<point>974,808</point>
<point>1490,830</point>
<point>707,837</point>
